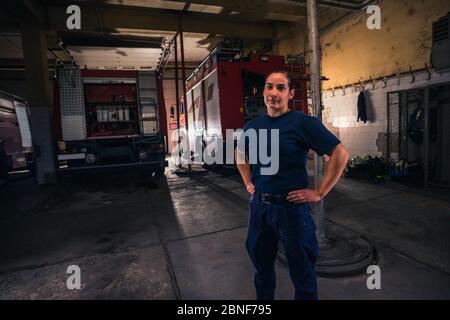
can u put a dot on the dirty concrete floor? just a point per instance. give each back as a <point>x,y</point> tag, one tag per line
<point>183,238</point>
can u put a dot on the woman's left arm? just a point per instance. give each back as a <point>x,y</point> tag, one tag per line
<point>336,165</point>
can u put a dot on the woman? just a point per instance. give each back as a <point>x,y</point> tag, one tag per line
<point>279,208</point>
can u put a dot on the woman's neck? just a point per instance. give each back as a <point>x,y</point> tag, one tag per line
<point>277,113</point>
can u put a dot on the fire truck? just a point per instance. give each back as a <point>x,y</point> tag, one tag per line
<point>225,92</point>
<point>109,119</point>
<point>16,150</point>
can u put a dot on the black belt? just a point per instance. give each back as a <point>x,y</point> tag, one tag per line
<point>273,198</point>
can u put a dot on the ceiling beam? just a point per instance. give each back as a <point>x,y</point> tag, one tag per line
<point>107,18</point>
<point>258,7</point>
<point>18,63</point>
<point>251,10</point>
<point>74,38</point>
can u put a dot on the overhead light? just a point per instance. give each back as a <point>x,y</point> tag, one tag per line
<point>234,12</point>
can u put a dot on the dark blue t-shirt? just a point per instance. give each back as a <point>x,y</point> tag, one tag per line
<point>298,133</point>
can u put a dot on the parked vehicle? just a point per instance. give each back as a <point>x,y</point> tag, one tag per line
<point>109,118</point>
<point>225,92</point>
<point>16,149</point>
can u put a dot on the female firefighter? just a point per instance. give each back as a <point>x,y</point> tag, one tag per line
<point>279,206</point>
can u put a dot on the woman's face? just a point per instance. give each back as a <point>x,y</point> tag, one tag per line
<point>276,92</point>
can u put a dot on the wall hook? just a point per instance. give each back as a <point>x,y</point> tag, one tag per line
<point>428,71</point>
<point>413,77</point>
<point>343,90</point>
<point>362,84</point>
<point>332,91</point>
<point>373,83</point>
<point>385,80</point>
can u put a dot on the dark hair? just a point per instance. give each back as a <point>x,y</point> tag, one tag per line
<point>287,74</point>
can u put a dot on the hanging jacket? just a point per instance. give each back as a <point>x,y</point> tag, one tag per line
<point>362,115</point>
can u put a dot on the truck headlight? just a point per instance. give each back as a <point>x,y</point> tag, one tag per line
<point>142,155</point>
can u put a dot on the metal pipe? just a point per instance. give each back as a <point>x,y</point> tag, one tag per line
<point>344,4</point>
<point>183,70</point>
<point>326,3</point>
<point>314,53</point>
<point>426,137</point>
<point>183,75</point>
<point>177,92</point>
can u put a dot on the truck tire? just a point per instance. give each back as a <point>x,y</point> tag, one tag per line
<point>159,172</point>
<point>3,166</point>
<point>151,173</point>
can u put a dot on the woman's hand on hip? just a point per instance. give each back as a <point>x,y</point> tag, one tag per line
<point>250,188</point>
<point>304,195</point>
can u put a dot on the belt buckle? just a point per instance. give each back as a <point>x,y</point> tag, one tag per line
<point>267,198</point>
<point>264,198</point>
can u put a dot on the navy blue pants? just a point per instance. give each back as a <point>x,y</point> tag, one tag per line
<point>293,225</point>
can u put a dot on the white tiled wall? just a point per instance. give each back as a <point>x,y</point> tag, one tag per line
<point>340,111</point>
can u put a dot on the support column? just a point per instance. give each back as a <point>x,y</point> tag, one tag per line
<point>426,138</point>
<point>34,46</point>
<point>177,94</point>
<point>314,54</point>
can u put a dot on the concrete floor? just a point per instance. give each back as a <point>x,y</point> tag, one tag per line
<point>183,238</point>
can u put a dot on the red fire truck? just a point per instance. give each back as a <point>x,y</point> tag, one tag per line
<point>16,152</point>
<point>109,118</point>
<point>225,92</point>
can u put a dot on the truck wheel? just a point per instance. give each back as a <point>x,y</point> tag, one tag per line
<point>159,172</point>
<point>152,173</point>
<point>32,168</point>
<point>3,166</point>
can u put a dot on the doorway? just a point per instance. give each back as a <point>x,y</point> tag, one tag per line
<point>439,136</point>
<point>418,137</point>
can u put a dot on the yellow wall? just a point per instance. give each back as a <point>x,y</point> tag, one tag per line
<point>351,51</point>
